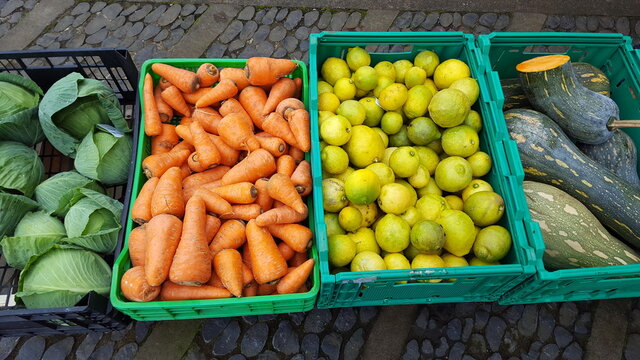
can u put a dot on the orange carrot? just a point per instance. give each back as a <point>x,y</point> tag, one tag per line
<point>251,290</point>
<point>164,110</point>
<point>192,262</point>
<point>303,289</point>
<point>135,287</point>
<point>282,89</point>
<point>280,215</point>
<point>215,279</point>
<point>138,245</point>
<point>228,266</point>
<point>297,94</point>
<point>301,178</point>
<point>253,98</point>
<point>184,80</point>
<point>231,106</point>
<point>298,259</point>
<point>156,165</point>
<point>281,188</point>
<point>212,227</point>
<point>204,177</point>
<point>141,210</point>
<point>267,263</point>
<point>173,292</point>
<point>264,200</point>
<point>231,235</point>
<point>235,74</point>
<point>163,232</point>
<point>192,98</point>
<point>265,71</point>
<point>208,74</point>
<point>207,153</point>
<point>183,145</point>
<point>237,132</point>
<point>238,193</point>
<point>257,164</point>
<point>213,202</point>
<point>163,83</point>
<point>295,235</point>
<point>208,118</point>
<point>266,289</point>
<point>193,163</point>
<point>151,116</point>
<point>286,106</point>
<point>246,256</point>
<point>173,97</point>
<point>291,282</point>
<point>276,125</point>
<point>286,165</point>
<point>247,275</point>
<point>184,133</point>
<point>228,155</point>
<point>297,154</point>
<point>286,251</point>
<point>273,144</point>
<point>186,170</point>
<point>299,124</point>
<point>167,196</point>
<point>244,212</point>
<point>185,121</point>
<point>224,90</point>
<point>165,141</point>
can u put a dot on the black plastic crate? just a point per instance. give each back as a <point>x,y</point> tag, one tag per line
<point>116,68</point>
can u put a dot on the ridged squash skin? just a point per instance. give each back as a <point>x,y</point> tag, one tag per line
<point>618,154</point>
<point>592,78</point>
<point>582,114</point>
<point>573,237</point>
<point>548,156</point>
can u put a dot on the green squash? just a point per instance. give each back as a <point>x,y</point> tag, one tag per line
<point>592,78</point>
<point>548,156</point>
<point>618,154</point>
<point>514,97</point>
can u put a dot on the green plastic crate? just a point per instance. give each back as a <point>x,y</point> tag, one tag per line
<point>195,309</point>
<point>481,283</point>
<point>613,54</point>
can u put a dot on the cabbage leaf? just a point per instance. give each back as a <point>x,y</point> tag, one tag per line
<point>61,191</point>
<point>20,168</point>
<point>19,99</point>
<point>12,209</point>
<point>104,157</point>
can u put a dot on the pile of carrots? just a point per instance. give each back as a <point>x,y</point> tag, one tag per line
<point>220,213</point>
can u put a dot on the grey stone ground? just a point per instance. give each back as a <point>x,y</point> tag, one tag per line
<point>445,331</point>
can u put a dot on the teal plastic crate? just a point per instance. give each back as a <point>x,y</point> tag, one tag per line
<point>210,308</point>
<point>481,283</point>
<point>613,54</point>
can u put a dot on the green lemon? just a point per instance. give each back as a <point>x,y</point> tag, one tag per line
<point>414,76</point>
<point>396,261</point>
<point>361,93</point>
<point>401,138</point>
<point>427,236</point>
<point>324,87</point>
<point>324,115</point>
<point>333,69</point>
<point>449,71</point>
<point>411,216</point>
<point>393,97</point>
<point>362,187</point>
<point>421,178</point>
<point>387,154</point>
<point>357,57</point>
<point>386,68</point>
<point>334,159</point>
<point>453,174</point>
<point>350,218</point>
<point>477,262</point>
<point>402,66</point>
<point>480,163</point>
<point>428,158</point>
<point>449,107</point>
<point>474,120</point>
<point>336,130</point>
<point>459,231</point>
<point>410,252</point>
<point>422,131</point>
<point>418,99</point>
<point>368,261</point>
<point>384,172</point>
<point>373,112</point>
<point>492,243</point>
<point>431,206</point>
<point>392,233</point>
<point>341,250</point>
<point>365,240</point>
<point>366,78</point>
<point>369,213</point>
<point>436,145</point>
<point>364,147</point>
<point>333,224</point>
<point>426,261</point>
<point>322,145</point>
<point>469,87</point>
<point>345,89</point>
<point>427,60</point>
<point>460,140</point>
<point>328,102</point>
<point>383,136</point>
<point>333,195</point>
<point>454,261</point>
<point>484,208</point>
<point>431,86</point>
<point>455,202</point>
<point>391,122</point>
<point>476,185</point>
<point>343,175</point>
<point>383,82</point>
<point>353,111</point>
<point>412,191</point>
<point>431,188</point>
<point>404,161</point>
<point>394,199</point>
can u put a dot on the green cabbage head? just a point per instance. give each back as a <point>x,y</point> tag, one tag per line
<point>19,99</point>
<point>105,157</point>
<point>21,169</point>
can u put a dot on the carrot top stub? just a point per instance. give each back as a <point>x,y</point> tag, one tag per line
<point>542,63</point>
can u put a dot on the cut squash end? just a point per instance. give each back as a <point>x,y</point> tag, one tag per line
<point>542,63</point>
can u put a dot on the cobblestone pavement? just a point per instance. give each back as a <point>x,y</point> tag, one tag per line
<point>445,331</point>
